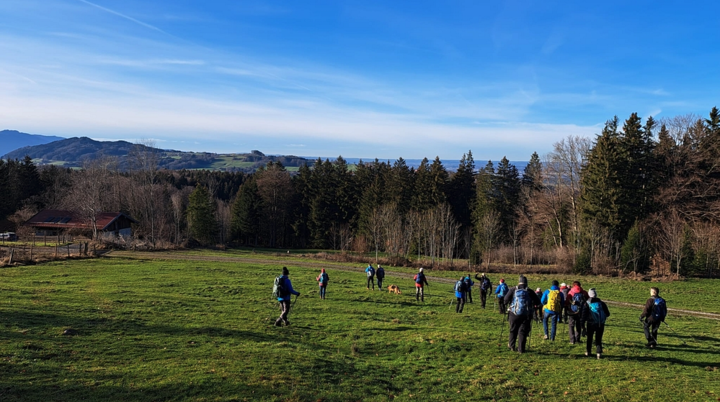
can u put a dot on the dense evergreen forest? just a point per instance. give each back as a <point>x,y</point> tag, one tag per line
<point>640,197</point>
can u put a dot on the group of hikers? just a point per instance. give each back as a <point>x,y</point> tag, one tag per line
<point>583,311</point>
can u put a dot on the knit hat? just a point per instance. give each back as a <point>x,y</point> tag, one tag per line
<point>502,280</point>
<point>592,292</point>
<point>538,290</point>
<point>420,270</point>
<point>285,271</point>
<point>522,280</point>
<point>563,285</point>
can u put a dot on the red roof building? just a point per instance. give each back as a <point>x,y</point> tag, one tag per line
<point>52,222</point>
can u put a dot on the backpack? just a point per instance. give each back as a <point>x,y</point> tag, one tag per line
<point>520,303</point>
<point>503,290</point>
<point>460,286</point>
<point>420,278</point>
<point>279,290</point>
<point>324,278</point>
<point>576,302</point>
<point>659,309</point>
<point>597,313</point>
<point>553,301</point>
<point>485,284</point>
<point>370,271</point>
<point>380,273</point>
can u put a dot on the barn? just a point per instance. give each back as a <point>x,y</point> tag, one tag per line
<point>53,222</point>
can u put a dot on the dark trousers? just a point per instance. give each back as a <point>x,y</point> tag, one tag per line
<point>468,295</point>
<point>460,304</point>
<point>520,327</point>
<point>651,332</point>
<point>371,281</point>
<point>501,304</point>
<point>379,279</point>
<point>597,330</point>
<point>284,311</point>
<point>574,328</point>
<point>322,291</point>
<point>483,297</point>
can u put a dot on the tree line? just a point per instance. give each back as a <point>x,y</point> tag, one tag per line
<point>641,197</point>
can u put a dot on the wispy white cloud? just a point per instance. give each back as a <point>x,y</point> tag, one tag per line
<point>127,17</point>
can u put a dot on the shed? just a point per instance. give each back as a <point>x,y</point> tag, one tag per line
<point>52,222</point>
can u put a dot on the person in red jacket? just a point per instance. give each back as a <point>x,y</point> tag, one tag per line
<point>574,305</point>
<point>420,282</point>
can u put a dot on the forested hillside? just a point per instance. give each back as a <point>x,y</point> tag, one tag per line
<point>640,197</point>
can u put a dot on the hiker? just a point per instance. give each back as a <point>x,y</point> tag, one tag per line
<point>380,275</point>
<point>420,282</point>
<point>500,292</point>
<point>322,280</point>
<point>552,301</point>
<point>284,291</point>
<point>521,301</point>
<point>593,316</point>
<point>370,271</point>
<point>537,309</point>
<point>573,305</point>
<point>654,313</point>
<point>460,294</point>
<point>564,289</point>
<point>485,287</point>
<point>468,288</point>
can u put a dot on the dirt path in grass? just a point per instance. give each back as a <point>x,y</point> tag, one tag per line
<point>162,255</point>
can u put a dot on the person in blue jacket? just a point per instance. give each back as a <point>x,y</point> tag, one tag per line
<point>500,291</point>
<point>552,301</point>
<point>285,299</point>
<point>370,272</point>
<point>460,294</point>
<point>468,288</point>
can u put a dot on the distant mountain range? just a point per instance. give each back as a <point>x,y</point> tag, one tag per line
<point>75,152</point>
<point>11,140</point>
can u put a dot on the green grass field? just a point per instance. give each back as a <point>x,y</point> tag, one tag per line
<point>202,331</point>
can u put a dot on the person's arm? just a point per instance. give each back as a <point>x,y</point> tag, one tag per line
<point>543,300</point>
<point>477,277</point>
<point>290,287</point>
<point>605,307</point>
<point>647,311</point>
<point>536,300</point>
<point>509,296</point>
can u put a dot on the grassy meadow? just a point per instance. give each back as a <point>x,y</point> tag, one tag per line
<point>149,330</point>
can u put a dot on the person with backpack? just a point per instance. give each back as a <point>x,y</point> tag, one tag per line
<point>593,316</point>
<point>380,275</point>
<point>537,309</point>
<point>420,282</point>
<point>521,301</point>
<point>653,314</point>
<point>564,289</point>
<point>485,287</point>
<point>460,294</point>
<point>322,280</point>
<point>370,272</point>
<point>283,291</point>
<point>573,305</point>
<point>552,301</point>
<point>500,291</point>
<point>468,288</point>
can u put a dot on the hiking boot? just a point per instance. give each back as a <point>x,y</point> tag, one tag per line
<point>545,337</point>
<point>277,323</point>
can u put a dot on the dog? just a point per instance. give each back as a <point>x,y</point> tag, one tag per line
<point>394,289</point>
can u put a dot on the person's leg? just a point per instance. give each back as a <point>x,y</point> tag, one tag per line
<point>589,335</point>
<point>524,333</point>
<point>379,283</point>
<point>648,335</point>
<point>655,327</point>
<point>546,316</point>
<point>279,321</point>
<point>573,324</point>
<point>501,305</point>
<point>417,293</point>
<point>598,339</point>
<point>422,293</point>
<point>553,331</point>
<point>483,297</point>
<point>514,323</point>
<point>470,295</point>
<point>323,289</point>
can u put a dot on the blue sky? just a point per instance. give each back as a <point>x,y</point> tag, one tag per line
<point>355,78</point>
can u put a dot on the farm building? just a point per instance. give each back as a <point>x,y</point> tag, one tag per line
<point>52,222</point>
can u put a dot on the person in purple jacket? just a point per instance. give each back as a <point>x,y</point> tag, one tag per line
<point>285,298</point>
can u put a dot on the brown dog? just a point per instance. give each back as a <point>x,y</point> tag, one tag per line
<point>394,289</point>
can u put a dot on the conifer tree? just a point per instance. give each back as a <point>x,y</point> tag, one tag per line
<point>461,192</point>
<point>201,216</point>
<point>245,221</point>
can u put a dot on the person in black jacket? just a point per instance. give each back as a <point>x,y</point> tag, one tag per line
<point>521,301</point>
<point>485,288</point>
<point>651,317</point>
<point>592,319</point>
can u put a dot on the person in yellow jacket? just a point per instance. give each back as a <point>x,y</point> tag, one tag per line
<point>552,301</point>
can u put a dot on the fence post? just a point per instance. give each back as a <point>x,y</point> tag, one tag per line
<point>31,252</point>
<point>12,251</point>
<point>68,249</point>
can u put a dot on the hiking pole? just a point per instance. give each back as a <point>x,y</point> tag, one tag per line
<point>676,334</point>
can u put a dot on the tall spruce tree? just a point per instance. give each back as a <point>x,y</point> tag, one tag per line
<point>246,210</point>
<point>506,184</point>
<point>201,216</point>
<point>461,192</point>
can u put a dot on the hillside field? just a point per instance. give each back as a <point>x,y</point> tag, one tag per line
<point>201,330</point>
